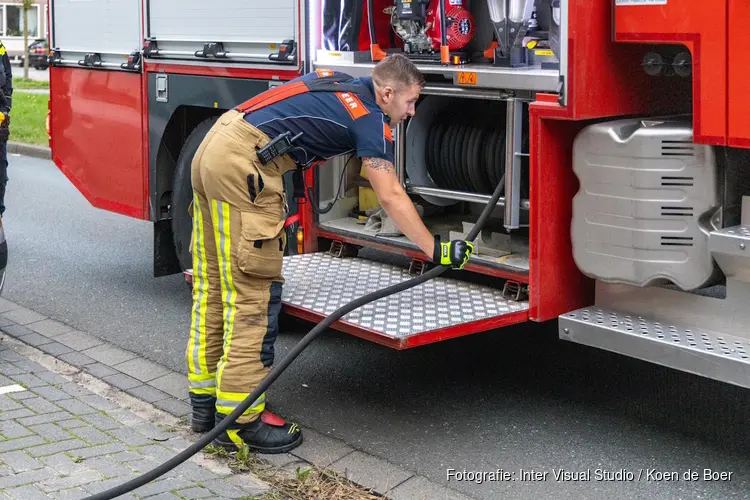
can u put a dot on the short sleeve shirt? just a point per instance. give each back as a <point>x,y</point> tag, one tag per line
<point>332,123</point>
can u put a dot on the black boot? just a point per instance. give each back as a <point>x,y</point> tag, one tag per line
<point>204,408</point>
<point>267,434</point>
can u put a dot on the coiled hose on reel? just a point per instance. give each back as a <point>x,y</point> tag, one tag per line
<point>278,369</point>
<point>466,152</point>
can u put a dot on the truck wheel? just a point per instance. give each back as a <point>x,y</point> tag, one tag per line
<point>182,193</point>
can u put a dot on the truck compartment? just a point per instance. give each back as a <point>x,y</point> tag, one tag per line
<point>450,156</point>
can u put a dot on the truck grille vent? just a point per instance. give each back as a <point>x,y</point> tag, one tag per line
<point>677,148</point>
<point>677,211</point>
<point>676,181</point>
<point>676,241</point>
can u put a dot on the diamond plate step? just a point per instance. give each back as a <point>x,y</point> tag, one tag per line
<point>693,350</point>
<point>317,284</point>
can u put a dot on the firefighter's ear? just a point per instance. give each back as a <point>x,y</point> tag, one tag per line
<point>388,94</point>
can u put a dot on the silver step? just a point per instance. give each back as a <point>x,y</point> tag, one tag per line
<point>731,249</point>
<point>317,284</point>
<point>701,352</point>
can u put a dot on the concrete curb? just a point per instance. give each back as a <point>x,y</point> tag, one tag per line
<point>34,151</point>
<point>166,390</point>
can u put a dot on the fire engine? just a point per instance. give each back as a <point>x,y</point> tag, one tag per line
<point>618,128</point>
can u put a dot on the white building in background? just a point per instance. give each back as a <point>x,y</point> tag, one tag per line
<point>11,25</point>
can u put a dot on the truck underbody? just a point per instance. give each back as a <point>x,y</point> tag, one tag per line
<point>622,160</point>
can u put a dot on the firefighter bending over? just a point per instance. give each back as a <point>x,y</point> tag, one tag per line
<point>239,210</point>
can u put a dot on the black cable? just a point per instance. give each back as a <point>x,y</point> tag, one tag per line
<point>207,438</point>
<point>443,26</point>
<point>314,202</point>
<point>371,23</point>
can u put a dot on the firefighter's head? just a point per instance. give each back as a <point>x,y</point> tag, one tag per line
<point>397,83</point>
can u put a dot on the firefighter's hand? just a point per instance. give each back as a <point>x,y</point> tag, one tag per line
<point>2,118</point>
<point>454,253</point>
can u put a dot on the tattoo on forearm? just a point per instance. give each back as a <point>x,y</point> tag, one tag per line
<point>380,164</point>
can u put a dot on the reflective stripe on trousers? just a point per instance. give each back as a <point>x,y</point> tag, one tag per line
<point>238,222</point>
<point>201,374</point>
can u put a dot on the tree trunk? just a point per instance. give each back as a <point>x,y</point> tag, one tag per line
<point>25,41</point>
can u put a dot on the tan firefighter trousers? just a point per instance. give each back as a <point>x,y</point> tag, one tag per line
<point>239,209</point>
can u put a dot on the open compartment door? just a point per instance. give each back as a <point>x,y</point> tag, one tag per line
<point>317,284</point>
<point>96,101</point>
<point>225,32</point>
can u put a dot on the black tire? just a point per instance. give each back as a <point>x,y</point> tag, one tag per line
<point>182,193</point>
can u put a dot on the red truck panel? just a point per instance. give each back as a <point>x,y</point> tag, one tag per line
<point>702,28</point>
<point>739,73</point>
<point>605,79</point>
<point>97,140</point>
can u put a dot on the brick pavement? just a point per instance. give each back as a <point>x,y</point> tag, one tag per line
<point>90,357</point>
<point>60,440</point>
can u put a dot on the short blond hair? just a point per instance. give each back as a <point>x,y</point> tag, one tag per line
<point>397,70</point>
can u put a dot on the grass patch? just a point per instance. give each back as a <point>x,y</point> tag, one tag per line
<point>28,119</point>
<point>27,83</point>
<point>298,484</point>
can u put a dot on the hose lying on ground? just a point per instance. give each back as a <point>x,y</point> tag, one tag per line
<point>208,438</point>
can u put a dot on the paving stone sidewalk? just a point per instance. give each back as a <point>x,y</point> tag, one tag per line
<point>60,440</point>
<point>166,390</point>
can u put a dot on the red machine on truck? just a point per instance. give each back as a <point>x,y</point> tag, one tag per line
<point>618,128</point>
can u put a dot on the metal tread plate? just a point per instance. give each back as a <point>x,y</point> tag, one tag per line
<point>694,350</point>
<point>320,283</point>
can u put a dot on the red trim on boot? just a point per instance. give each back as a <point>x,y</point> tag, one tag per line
<point>269,418</point>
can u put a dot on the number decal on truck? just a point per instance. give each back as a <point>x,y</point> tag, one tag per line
<point>467,78</point>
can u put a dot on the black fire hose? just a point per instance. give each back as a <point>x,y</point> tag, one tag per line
<point>207,438</point>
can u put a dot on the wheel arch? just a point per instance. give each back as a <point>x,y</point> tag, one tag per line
<point>191,99</point>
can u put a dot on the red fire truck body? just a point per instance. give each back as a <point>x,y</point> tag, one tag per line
<point>618,127</point>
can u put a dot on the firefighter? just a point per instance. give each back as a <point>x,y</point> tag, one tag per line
<point>6,93</point>
<point>239,210</point>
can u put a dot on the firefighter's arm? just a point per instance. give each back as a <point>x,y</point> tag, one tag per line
<point>397,204</point>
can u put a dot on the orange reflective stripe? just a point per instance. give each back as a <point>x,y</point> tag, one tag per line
<point>352,104</point>
<point>272,96</point>
<point>323,73</point>
<point>387,132</point>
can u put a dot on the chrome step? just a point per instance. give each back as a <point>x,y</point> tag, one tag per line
<point>730,247</point>
<point>694,350</point>
<point>317,284</point>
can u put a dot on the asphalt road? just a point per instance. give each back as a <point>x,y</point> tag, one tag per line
<point>509,399</point>
<point>34,74</point>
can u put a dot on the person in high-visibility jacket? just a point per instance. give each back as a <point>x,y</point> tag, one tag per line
<point>6,102</point>
<point>239,211</point>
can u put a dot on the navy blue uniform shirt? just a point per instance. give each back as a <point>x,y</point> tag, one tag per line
<point>332,123</point>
